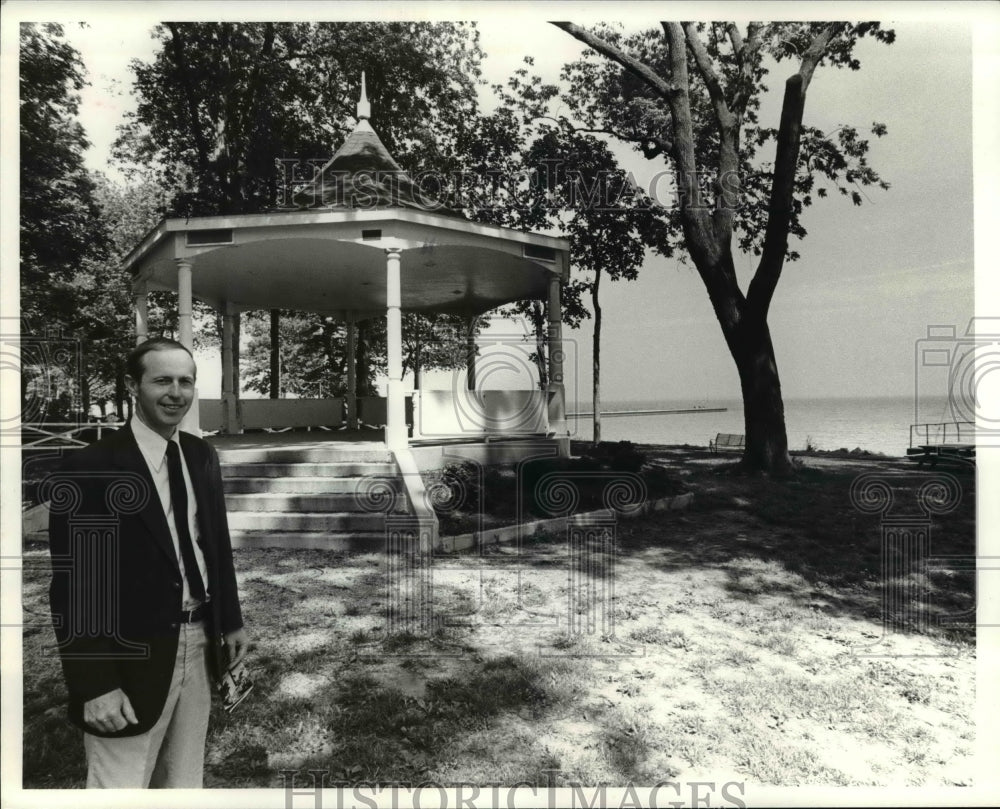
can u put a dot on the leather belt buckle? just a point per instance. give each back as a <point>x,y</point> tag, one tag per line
<point>192,615</point>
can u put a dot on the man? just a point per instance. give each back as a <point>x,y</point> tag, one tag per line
<point>143,593</point>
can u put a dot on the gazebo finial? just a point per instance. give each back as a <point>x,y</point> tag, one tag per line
<point>364,108</point>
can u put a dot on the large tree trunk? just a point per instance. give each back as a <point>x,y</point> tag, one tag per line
<point>763,409</point>
<point>541,354</point>
<point>275,381</point>
<point>362,372</point>
<point>85,395</point>
<point>120,393</point>
<point>470,353</point>
<point>749,342</point>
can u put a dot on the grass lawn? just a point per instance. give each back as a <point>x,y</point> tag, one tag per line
<point>747,645</point>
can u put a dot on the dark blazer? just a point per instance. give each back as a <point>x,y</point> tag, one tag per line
<point>116,585</point>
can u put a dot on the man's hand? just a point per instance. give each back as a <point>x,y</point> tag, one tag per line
<point>109,712</point>
<point>237,643</point>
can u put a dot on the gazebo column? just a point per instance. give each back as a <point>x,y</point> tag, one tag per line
<point>557,389</point>
<point>140,297</point>
<point>230,417</point>
<point>185,335</point>
<point>395,431</point>
<point>352,371</point>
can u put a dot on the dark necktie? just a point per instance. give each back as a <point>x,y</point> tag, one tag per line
<point>179,500</point>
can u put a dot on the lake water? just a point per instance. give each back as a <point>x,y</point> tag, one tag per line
<point>875,424</point>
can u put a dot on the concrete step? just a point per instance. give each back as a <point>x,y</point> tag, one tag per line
<point>354,542</point>
<point>306,521</point>
<point>303,455</point>
<point>306,485</point>
<point>310,470</point>
<point>301,503</point>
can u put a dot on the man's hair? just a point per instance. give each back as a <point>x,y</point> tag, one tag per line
<point>135,362</point>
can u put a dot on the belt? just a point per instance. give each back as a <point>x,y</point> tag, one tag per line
<point>199,613</point>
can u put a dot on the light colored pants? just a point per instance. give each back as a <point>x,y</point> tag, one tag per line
<point>172,753</point>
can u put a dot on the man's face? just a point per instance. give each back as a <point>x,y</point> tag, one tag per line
<point>165,392</point>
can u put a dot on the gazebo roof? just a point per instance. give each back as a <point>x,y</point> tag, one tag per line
<point>330,257</point>
<point>363,175</point>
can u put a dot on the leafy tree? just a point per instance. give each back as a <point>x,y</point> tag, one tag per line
<point>544,172</point>
<point>59,215</point>
<point>313,351</point>
<point>608,220</point>
<point>127,213</point>
<point>312,355</point>
<point>432,342</point>
<point>690,94</point>
<point>220,102</point>
<point>63,241</point>
<point>503,186</point>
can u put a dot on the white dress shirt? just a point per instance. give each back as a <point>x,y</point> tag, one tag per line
<point>153,447</point>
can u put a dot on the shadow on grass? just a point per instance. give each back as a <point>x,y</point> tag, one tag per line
<point>801,538</point>
<point>817,548</point>
<point>360,730</point>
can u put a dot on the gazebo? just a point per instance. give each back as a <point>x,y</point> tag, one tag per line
<point>361,241</point>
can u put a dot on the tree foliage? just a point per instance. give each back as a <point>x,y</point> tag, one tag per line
<point>542,172</point>
<point>60,224</point>
<point>220,102</point>
<point>66,291</point>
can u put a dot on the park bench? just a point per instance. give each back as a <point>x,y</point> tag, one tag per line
<point>730,442</point>
<point>942,441</point>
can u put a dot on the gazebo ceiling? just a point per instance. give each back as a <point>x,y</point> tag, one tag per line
<point>325,275</point>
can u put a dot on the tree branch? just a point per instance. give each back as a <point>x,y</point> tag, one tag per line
<point>680,111</point>
<point>727,192</point>
<point>723,116</point>
<point>735,39</point>
<point>632,65</point>
<point>779,208</point>
<point>745,53</point>
<point>815,52</point>
<point>659,145</point>
<point>703,241</point>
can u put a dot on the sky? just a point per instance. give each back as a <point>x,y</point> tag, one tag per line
<point>846,317</point>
